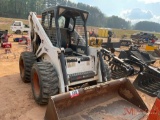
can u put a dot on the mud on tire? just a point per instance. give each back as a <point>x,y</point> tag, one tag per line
<point>26,61</point>
<point>44,81</point>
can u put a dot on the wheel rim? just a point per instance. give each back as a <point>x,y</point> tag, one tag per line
<point>36,85</point>
<point>22,68</point>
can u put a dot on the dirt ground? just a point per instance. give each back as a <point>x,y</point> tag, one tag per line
<point>16,98</point>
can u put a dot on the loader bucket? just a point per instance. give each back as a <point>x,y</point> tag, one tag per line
<point>155,53</point>
<point>113,100</point>
<point>148,81</point>
<point>144,56</point>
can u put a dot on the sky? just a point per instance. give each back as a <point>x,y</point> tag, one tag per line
<point>132,10</point>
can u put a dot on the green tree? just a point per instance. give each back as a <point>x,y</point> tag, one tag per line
<point>21,9</point>
<point>147,26</point>
<point>117,22</point>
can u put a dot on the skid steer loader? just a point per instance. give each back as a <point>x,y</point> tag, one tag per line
<point>63,66</point>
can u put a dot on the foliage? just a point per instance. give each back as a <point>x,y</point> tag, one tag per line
<point>147,26</point>
<point>118,32</point>
<point>116,22</point>
<point>21,9</point>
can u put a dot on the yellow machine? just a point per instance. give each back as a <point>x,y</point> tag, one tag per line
<point>94,42</point>
<point>153,49</point>
<point>104,32</point>
<point>150,47</point>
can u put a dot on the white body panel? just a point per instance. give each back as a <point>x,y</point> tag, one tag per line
<point>46,49</point>
<point>80,66</point>
<point>48,53</point>
<point>93,52</point>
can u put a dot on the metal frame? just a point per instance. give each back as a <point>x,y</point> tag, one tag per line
<point>47,52</point>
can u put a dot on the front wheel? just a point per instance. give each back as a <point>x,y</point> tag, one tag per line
<point>44,81</point>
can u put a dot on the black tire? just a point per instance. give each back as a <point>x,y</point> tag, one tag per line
<point>26,62</point>
<point>108,71</point>
<point>18,32</point>
<point>44,81</point>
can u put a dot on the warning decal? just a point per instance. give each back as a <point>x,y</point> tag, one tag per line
<point>74,93</point>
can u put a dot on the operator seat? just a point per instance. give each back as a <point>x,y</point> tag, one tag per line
<point>65,39</point>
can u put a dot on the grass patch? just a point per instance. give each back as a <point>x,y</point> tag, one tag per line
<point>120,32</point>
<point>5,23</point>
<point>128,33</point>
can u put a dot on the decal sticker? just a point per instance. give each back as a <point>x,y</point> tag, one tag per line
<point>74,93</point>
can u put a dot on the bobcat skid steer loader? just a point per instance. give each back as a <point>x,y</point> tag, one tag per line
<point>71,75</point>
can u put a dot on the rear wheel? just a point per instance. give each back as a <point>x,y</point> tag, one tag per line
<point>26,61</point>
<point>44,81</point>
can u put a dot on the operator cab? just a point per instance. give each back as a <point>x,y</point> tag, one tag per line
<point>72,24</point>
<point>66,28</point>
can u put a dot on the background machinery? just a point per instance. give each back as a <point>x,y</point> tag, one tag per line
<point>135,51</point>
<point>148,81</point>
<point>153,49</point>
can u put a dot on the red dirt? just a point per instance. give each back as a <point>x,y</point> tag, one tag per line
<point>16,97</point>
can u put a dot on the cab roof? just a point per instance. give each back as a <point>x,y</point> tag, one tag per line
<point>66,8</point>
